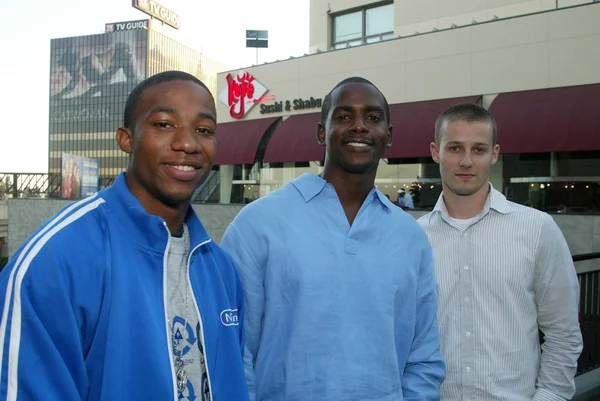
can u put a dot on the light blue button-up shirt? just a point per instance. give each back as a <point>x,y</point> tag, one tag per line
<point>333,311</point>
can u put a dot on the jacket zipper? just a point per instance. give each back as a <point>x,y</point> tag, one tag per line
<point>204,347</point>
<point>169,341</point>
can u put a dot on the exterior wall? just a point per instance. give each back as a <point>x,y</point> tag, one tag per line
<point>557,48</point>
<point>412,16</point>
<point>26,215</point>
<point>166,54</point>
<point>424,16</point>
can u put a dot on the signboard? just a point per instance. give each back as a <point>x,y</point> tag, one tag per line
<point>242,93</point>
<point>288,105</point>
<point>80,176</point>
<point>126,26</point>
<point>257,39</point>
<point>253,34</point>
<point>161,13</point>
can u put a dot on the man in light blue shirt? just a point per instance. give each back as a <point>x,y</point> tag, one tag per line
<point>339,283</point>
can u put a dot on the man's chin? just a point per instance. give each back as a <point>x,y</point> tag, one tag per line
<point>359,168</point>
<point>465,191</point>
<point>174,198</point>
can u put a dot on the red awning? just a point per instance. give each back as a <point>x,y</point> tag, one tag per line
<point>238,141</point>
<point>295,140</point>
<point>548,120</point>
<point>414,125</point>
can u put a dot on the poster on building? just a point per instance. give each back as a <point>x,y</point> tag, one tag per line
<point>80,176</point>
<point>91,77</point>
<point>71,176</point>
<point>90,177</point>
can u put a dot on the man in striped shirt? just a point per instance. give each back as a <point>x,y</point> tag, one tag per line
<point>504,272</point>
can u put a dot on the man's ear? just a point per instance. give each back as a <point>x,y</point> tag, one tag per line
<point>495,153</point>
<point>435,152</point>
<point>321,137</point>
<point>124,139</point>
<point>390,137</point>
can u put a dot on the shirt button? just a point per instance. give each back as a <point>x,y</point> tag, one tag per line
<point>468,334</point>
<point>466,267</point>
<point>467,299</point>
<point>468,369</point>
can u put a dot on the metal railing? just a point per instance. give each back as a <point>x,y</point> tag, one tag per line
<point>589,315</point>
<point>37,185</point>
<point>203,194</point>
<point>25,185</point>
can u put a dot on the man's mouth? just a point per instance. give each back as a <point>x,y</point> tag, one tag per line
<point>181,167</point>
<point>358,144</point>
<point>464,176</point>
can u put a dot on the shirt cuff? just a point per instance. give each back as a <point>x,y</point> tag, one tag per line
<point>541,394</point>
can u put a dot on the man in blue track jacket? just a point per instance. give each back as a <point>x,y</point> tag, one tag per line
<point>123,295</point>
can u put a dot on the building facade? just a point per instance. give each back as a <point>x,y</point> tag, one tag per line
<point>534,64</point>
<point>90,79</point>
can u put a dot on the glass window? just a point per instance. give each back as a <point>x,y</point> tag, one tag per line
<point>368,25</point>
<point>379,20</point>
<point>562,182</point>
<point>348,26</point>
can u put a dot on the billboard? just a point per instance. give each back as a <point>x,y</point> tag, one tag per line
<point>161,13</point>
<point>80,176</point>
<point>91,77</point>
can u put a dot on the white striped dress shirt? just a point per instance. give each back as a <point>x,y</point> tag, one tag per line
<point>500,279</point>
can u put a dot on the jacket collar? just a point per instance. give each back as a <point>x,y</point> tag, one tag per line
<point>146,229</point>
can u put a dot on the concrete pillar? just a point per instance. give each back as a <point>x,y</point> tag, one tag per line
<point>553,165</point>
<point>226,181</point>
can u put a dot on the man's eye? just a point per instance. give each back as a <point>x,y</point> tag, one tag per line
<point>342,117</point>
<point>162,124</point>
<point>374,118</point>
<point>205,131</point>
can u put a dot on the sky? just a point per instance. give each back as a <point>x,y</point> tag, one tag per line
<point>217,27</point>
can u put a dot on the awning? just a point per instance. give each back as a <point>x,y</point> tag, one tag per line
<point>295,140</point>
<point>548,120</point>
<point>238,141</point>
<point>414,125</point>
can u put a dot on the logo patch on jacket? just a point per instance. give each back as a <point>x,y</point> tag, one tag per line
<point>229,317</point>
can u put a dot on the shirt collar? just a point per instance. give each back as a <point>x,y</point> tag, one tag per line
<point>384,200</point>
<point>495,201</point>
<point>310,185</point>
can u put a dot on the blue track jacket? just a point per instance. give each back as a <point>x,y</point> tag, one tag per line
<point>83,307</point>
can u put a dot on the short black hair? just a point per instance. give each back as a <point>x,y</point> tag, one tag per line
<point>352,80</point>
<point>129,115</point>
<point>469,112</point>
